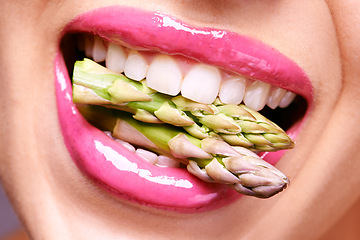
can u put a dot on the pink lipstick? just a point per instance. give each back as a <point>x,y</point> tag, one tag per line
<point>123,172</point>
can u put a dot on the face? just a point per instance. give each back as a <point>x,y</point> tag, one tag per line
<point>54,175</point>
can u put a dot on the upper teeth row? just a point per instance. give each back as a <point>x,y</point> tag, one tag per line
<point>196,81</point>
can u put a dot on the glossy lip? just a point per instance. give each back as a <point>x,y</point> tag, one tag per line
<point>114,167</point>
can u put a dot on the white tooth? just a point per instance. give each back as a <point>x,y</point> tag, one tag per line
<point>126,145</point>
<point>99,50</point>
<point>287,99</point>
<point>115,58</point>
<point>201,84</point>
<point>136,66</point>
<point>165,161</point>
<point>164,75</point>
<point>147,155</point>
<point>256,95</point>
<point>89,45</point>
<point>232,91</point>
<point>275,97</point>
<point>108,133</point>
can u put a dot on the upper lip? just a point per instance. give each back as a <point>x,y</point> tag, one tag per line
<point>155,31</point>
<point>231,51</point>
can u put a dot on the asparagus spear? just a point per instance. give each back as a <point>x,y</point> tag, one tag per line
<point>210,159</point>
<point>235,124</point>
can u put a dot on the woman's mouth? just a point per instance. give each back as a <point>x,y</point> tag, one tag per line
<point>175,59</point>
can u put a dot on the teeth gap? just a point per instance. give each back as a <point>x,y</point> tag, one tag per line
<point>73,48</point>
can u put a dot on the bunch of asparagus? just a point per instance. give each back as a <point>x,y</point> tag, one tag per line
<point>216,141</point>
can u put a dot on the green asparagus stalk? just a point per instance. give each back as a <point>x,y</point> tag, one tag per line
<point>235,124</point>
<point>210,159</point>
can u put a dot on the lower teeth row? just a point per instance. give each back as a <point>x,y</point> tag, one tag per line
<point>151,157</point>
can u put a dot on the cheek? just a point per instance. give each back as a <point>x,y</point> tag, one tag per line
<point>346,18</point>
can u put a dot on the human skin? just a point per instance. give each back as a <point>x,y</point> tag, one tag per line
<point>55,200</point>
